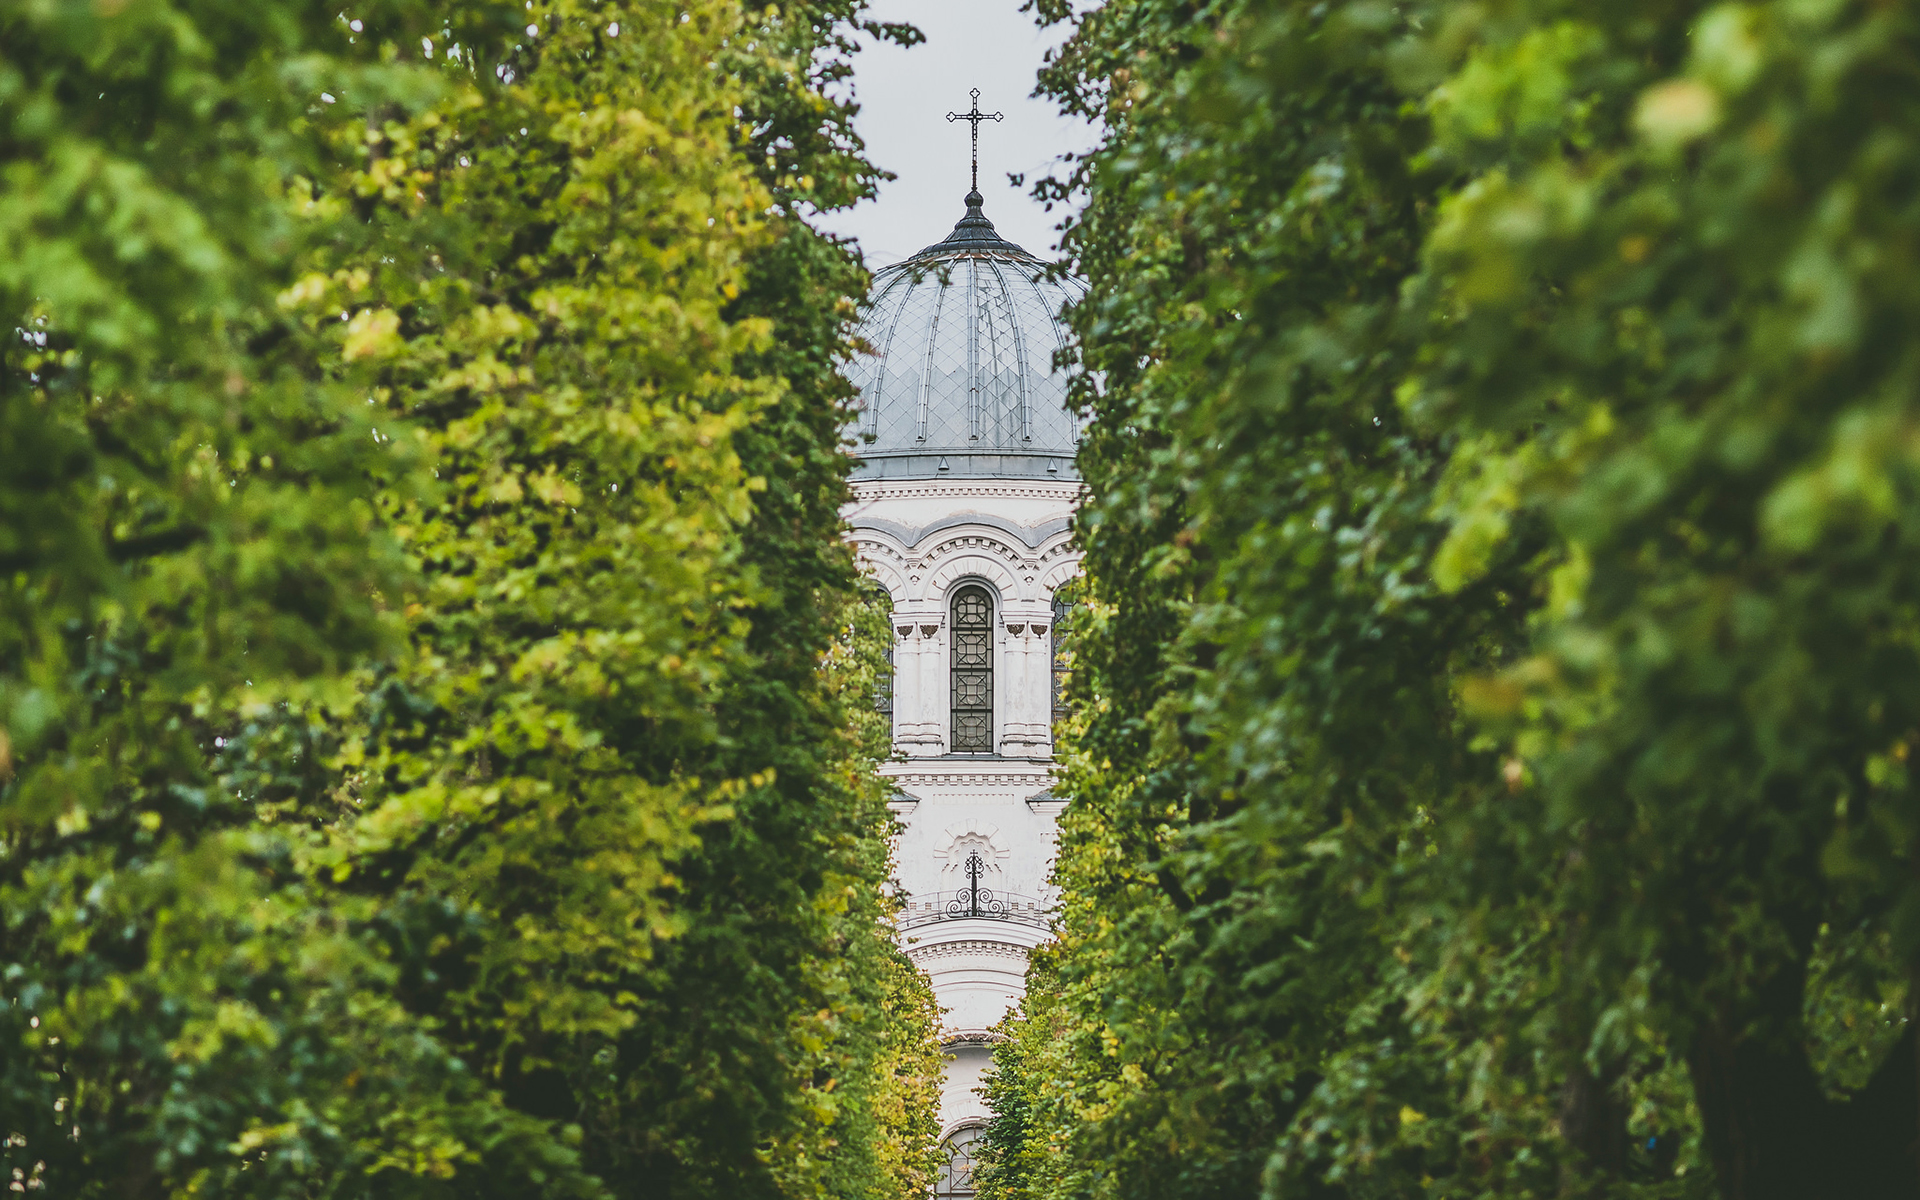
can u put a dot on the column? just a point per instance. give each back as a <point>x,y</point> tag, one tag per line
<point>1023,732</point>
<point>922,727</point>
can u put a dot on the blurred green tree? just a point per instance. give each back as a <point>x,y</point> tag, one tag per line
<point>421,511</point>
<point>191,546</point>
<point>1493,707</point>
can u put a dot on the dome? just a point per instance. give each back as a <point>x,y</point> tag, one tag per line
<point>961,382</point>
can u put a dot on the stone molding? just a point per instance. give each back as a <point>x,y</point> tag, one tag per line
<point>1059,573</point>
<point>996,779</point>
<point>971,1121</point>
<point>970,949</point>
<point>918,578</point>
<point>973,535</point>
<point>963,1037</point>
<point>1031,536</point>
<point>972,827</point>
<point>1067,491</point>
<point>975,561</point>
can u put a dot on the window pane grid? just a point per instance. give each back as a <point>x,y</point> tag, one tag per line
<point>972,672</point>
<point>956,1169</point>
<point>1061,612</point>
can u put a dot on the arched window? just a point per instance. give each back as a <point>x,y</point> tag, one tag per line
<point>881,603</point>
<point>1061,612</point>
<point>956,1166</point>
<point>972,671</point>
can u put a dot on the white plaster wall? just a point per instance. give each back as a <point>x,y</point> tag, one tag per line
<point>960,1101</point>
<point>949,806</point>
<point>922,539</point>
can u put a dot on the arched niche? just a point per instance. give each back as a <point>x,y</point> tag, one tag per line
<point>883,563</point>
<point>967,566</point>
<point>1056,576</point>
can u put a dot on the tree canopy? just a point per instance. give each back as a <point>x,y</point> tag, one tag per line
<point>436,755</point>
<point>1497,679</point>
<point>417,777</point>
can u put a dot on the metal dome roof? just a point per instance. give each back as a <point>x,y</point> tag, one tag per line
<point>961,382</point>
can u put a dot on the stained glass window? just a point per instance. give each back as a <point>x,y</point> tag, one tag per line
<point>1061,612</point>
<point>883,683</point>
<point>972,671</point>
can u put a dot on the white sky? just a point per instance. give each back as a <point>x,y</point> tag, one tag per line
<point>905,96</point>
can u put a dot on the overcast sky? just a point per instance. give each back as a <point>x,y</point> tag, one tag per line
<point>905,96</point>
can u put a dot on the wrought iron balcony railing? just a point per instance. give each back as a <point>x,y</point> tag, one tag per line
<point>974,902</point>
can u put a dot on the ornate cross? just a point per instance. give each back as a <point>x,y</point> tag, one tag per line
<point>974,118</point>
<point>974,863</point>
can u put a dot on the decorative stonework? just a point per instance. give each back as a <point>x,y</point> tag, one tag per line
<point>992,779</point>
<point>971,832</point>
<point>970,1037</point>
<point>960,485</point>
<point>1058,574</point>
<point>1022,576</point>
<point>1068,492</point>
<point>976,542</point>
<point>945,950</point>
<point>972,564</point>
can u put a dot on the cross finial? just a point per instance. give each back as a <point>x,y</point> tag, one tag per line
<point>974,117</point>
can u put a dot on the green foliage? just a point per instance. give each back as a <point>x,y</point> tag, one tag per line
<point>421,535</point>
<point>190,546</point>
<point>1498,677</point>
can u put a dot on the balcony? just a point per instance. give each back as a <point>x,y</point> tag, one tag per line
<point>973,904</point>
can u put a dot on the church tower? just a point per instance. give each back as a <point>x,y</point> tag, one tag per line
<point>963,490</point>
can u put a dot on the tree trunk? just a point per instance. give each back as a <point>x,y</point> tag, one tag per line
<point>1762,1110</point>
<point>1874,1142</point>
<point>1593,1119</point>
<point>1774,1135</point>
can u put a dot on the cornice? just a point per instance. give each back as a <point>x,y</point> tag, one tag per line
<point>996,489</point>
<point>1033,536</point>
<point>971,1037</point>
<point>973,949</point>
<point>1006,778</point>
<point>880,545</point>
<point>975,542</point>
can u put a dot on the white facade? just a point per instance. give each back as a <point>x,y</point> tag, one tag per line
<point>962,504</point>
